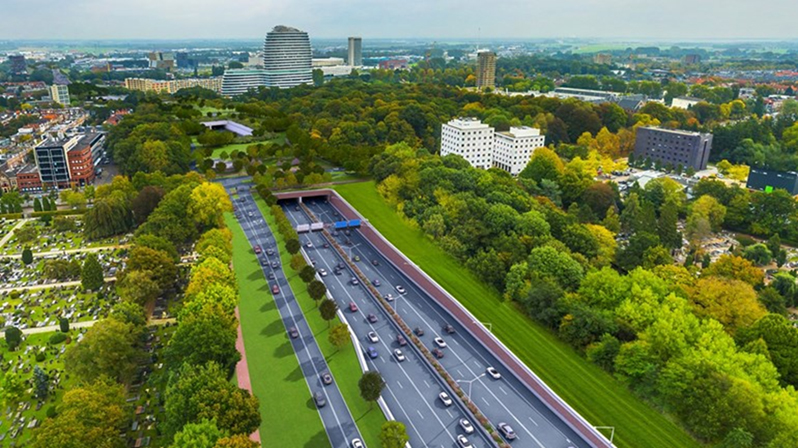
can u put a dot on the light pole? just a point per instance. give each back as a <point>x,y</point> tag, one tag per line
<point>471,382</point>
<point>350,251</point>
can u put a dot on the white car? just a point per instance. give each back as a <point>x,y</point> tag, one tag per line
<point>373,338</point>
<point>356,443</point>
<point>309,244</point>
<point>400,289</point>
<point>466,425</point>
<point>445,399</point>
<point>463,442</point>
<point>399,355</point>
<point>389,297</point>
<point>494,373</point>
<point>440,342</point>
<point>323,272</point>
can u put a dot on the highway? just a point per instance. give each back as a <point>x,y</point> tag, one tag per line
<point>336,418</point>
<point>412,388</point>
<point>501,400</point>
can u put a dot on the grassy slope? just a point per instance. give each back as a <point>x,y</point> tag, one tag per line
<point>289,416</point>
<point>343,363</point>
<point>596,395</point>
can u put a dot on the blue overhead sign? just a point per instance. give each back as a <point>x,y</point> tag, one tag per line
<point>354,223</point>
<point>340,225</point>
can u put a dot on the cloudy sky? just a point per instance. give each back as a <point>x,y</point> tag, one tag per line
<point>177,19</point>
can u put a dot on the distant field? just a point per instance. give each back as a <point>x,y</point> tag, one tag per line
<point>596,395</point>
<point>277,381</point>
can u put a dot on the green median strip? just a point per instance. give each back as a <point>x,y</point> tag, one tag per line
<point>595,394</point>
<point>289,416</point>
<point>343,363</point>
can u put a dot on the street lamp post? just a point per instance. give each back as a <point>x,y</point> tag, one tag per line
<point>470,382</point>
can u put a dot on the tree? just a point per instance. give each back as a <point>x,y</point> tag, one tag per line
<point>63,325</point>
<point>109,216</point>
<point>27,256</point>
<point>738,438</point>
<point>237,440</point>
<point>203,434</point>
<point>297,262</point>
<point>547,261</point>
<point>13,389</point>
<point>210,271</point>
<point>13,338</point>
<point>544,164</point>
<point>307,273</point>
<point>41,383</point>
<point>393,434</point>
<point>91,276</point>
<point>108,348</point>
<point>600,197</point>
<point>209,202</point>
<point>26,234</point>
<point>669,235</point>
<point>731,302</point>
<point>130,313</point>
<point>205,336</point>
<point>738,268</point>
<point>759,254</point>
<point>146,202</point>
<point>292,245</point>
<point>202,392</point>
<point>328,309</point>
<point>157,262</point>
<point>91,415</point>
<point>138,287</point>
<point>37,205</point>
<point>316,290</point>
<point>339,336</point>
<point>781,339</point>
<point>634,253</point>
<point>706,215</point>
<point>371,385</point>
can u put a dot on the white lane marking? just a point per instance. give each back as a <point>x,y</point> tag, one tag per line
<point>382,359</point>
<point>479,366</point>
<point>486,401</point>
<point>533,421</point>
<point>503,391</point>
<point>450,413</point>
<point>420,414</point>
<point>407,417</point>
<point>426,384</point>
<point>400,385</point>
<point>460,373</point>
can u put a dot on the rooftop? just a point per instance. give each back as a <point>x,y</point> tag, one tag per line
<point>674,131</point>
<point>521,131</point>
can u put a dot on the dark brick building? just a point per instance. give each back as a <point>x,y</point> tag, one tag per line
<point>673,147</point>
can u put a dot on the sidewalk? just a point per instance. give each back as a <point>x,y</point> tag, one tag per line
<point>11,232</point>
<point>69,251</point>
<point>51,285</point>
<point>242,371</point>
<point>87,324</point>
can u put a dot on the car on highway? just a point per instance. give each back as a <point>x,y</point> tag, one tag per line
<point>445,399</point>
<point>372,318</point>
<point>494,373</point>
<point>372,337</point>
<point>376,282</point>
<point>242,199</point>
<point>337,271</point>
<point>326,245</point>
<point>264,262</point>
<point>372,352</point>
<point>356,258</point>
<point>341,265</point>
<point>353,307</point>
<point>293,332</point>
<point>326,378</point>
<point>238,215</point>
<point>506,431</point>
<point>356,443</point>
<point>318,397</point>
<point>389,297</point>
<point>251,215</point>
<point>271,275</point>
<point>466,425</point>
<point>462,441</point>
<point>401,340</point>
<point>269,251</point>
<point>448,329</point>
<point>275,289</point>
<point>375,262</point>
<point>400,289</point>
<point>309,244</point>
<point>437,352</point>
<point>354,281</point>
<point>399,355</point>
<point>275,264</point>
<point>419,331</point>
<point>257,249</point>
<point>323,272</point>
<point>439,342</point>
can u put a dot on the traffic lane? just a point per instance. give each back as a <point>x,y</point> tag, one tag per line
<point>523,397</point>
<point>340,426</point>
<point>413,378</point>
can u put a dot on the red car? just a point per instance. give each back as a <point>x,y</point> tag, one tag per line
<point>257,249</point>
<point>275,289</point>
<point>352,307</point>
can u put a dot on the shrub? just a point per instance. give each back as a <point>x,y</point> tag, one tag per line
<point>58,338</point>
<point>40,357</point>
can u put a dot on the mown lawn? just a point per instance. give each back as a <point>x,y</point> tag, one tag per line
<point>343,363</point>
<point>280,139</point>
<point>596,395</point>
<point>289,418</point>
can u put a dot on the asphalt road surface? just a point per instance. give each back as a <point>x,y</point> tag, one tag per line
<point>335,415</point>
<point>501,400</point>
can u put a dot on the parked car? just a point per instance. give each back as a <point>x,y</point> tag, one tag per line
<point>372,336</point>
<point>466,425</point>
<point>448,329</point>
<point>399,355</point>
<point>372,352</point>
<point>372,318</point>
<point>400,289</point>
<point>463,442</point>
<point>506,431</point>
<point>419,331</point>
<point>275,289</point>
<point>326,378</point>
<point>494,373</point>
<point>445,399</point>
<point>439,342</point>
<point>293,332</point>
<point>437,352</point>
<point>318,397</point>
<point>352,307</point>
<point>401,340</point>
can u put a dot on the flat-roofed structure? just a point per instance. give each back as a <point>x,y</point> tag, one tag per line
<point>240,81</point>
<point>672,147</point>
<point>469,138</point>
<point>768,180</point>
<point>227,125</point>
<point>512,149</point>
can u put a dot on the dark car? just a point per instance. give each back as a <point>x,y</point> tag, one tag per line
<point>275,264</point>
<point>375,262</point>
<point>318,397</point>
<point>341,265</point>
<point>437,352</point>
<point>293,332</point>
<point>326,245</point>
<point>401,340</point>
<point>419,331</point>
<point>271,275</point>
<point>448,329</point>
<point>326,378</point>
<point>352,307</point>
<point>372,352</point>
<point>372,318</point>
<point>376,282</point>
<point>275,289</point>
<point>257,249</point>
<point>269,251</point>
<point>264,262</point>
<point>337,271</point>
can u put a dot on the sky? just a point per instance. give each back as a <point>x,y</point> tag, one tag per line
<point>251,19</point>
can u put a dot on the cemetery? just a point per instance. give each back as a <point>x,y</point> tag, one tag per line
<point>51,269</point>
<point>44,307</point>
<point>55,237</point>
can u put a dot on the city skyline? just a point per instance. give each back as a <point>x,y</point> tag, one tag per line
<point>171,19</point>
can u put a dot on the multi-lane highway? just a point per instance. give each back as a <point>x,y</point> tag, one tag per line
<point>504,400</point>
<point>412,389</point>
<point>338,421</point>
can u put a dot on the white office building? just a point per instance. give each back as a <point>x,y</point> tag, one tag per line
<point>240,81</point>
<point>469,138</point>
<point>60,94</point>
<point>287,58</point>
<point>484,148</point>
<point>513,149</point>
